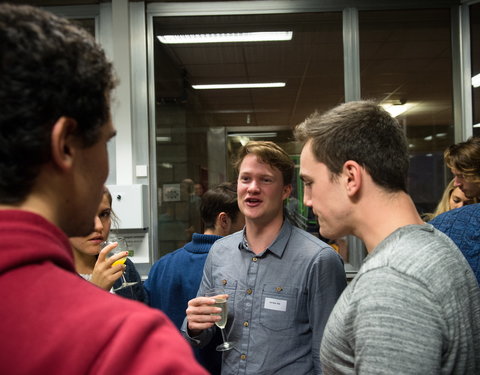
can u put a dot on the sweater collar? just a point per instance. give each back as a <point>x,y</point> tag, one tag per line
<point>201,243</point>
<point>28,238</point>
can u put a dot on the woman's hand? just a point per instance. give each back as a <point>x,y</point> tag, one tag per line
<point>104,274</point>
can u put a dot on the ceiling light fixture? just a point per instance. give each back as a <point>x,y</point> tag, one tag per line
<point>476,81</point>
<point>254,135</point>
<point>397,109</point>
<point>239,85</point>
<point>262,36</point>
<point>477,125</point>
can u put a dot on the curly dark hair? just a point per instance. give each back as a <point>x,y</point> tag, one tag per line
<point>49,68</point>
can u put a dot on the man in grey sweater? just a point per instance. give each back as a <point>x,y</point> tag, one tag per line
<point>414,306</point>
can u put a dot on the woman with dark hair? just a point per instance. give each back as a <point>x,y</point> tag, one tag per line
<point>92,263</point>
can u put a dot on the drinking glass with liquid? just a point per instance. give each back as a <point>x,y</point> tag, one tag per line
<point>220,297</point>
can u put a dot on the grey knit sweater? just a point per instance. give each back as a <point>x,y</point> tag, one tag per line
<point>413,308</point>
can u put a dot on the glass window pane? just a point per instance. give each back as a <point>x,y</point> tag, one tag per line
<point>406,63</point>
<point>198,131</point>
<point>475,51</point>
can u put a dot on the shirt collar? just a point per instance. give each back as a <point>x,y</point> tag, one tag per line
<point>278,246</point>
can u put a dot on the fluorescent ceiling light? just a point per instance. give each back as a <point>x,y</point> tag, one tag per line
<point>476,81</point>
<point>397,110</point>
<point>164,139</point>
<point>250,110</point>
<point>254,135</point>
<point>239,86</point>
<point>263,36</point>
<point>477,125</point>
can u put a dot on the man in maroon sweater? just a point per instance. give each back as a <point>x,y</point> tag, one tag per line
<point>55,89</point>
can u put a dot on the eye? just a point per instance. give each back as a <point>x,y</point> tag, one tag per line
<point>104,214</point>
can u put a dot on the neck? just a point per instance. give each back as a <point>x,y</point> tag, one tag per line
<point>84,263</point>
<point>390,212</point>
<point>260,236</point>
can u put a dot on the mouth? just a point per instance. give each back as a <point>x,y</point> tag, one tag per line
<point>252,202</point>
<point>96,239</point>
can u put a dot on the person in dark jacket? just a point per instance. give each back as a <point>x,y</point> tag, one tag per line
<point>93,264</point>
<point>174,279</point>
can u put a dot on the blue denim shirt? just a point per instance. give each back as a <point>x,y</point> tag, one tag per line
<point>279,301</point>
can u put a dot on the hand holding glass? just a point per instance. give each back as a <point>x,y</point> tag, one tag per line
<point>121,247</point>
<point>220,301</point>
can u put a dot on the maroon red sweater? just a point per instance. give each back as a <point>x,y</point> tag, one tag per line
<point>54,322</point>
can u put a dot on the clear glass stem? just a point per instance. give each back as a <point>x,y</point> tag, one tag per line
<point>223,335</point>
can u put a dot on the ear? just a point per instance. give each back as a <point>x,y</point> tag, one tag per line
<point>287,190</point>
<point>352,176</point>
<point>223,220</point>
<point>63,144</point>
<point>223,224</point>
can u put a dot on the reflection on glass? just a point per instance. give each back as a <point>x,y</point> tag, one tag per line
<point>193,126</point>
<point>475,51</point>
<point>406,63</point>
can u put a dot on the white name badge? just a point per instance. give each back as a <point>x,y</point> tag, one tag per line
<point>275,304</point>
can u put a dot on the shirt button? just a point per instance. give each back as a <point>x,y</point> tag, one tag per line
<point>245,324</point>
<point>224,282</point>
<point>254,259</point>
<point>278,288</point>
<point>249,291</point>
<point>243,357</point>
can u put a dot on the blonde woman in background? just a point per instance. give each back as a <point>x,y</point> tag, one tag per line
<point>452,198</point>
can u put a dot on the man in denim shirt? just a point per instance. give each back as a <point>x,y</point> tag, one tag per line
<point>281,281</point>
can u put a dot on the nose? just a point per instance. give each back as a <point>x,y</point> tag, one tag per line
<point>457,181</point>
<point>253,186</point>
<point>98,224</point>
<point>307,199</point>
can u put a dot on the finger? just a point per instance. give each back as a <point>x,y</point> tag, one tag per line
<point>116,257</point>
<point>201,301</point>
<point>199,326</point>
<point>117,273</point>
<point>203,313</point>
<point>118,268</point>
<point>103,253</point>
<point>221,296</point>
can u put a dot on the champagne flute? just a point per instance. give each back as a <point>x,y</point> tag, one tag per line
<point>121,247</point>
<point>218,295</point>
